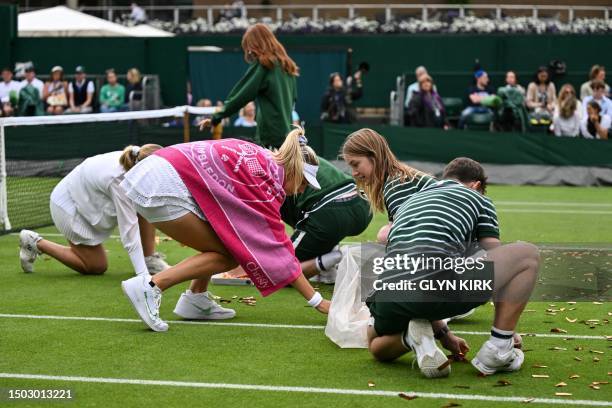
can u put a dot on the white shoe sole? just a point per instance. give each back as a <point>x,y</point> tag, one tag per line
<point>188,311</point>
<point>515,366</point>
<point>139,307</point>
<point>432,366</point>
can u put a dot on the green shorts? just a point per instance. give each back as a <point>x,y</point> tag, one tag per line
<point>323,229</point>
<point>393,317</point>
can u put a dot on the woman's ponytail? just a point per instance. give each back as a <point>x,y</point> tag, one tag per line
<point>133,154</point>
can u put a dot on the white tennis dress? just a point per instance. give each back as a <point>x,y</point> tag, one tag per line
<point>88,204</point>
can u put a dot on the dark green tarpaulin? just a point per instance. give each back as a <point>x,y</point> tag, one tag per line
<point>439,146</point>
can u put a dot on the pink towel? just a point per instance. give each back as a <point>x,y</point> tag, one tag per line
<point>239,188</point>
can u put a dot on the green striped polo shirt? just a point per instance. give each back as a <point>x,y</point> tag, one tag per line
<point>443,218</point>
<point>396,191</point>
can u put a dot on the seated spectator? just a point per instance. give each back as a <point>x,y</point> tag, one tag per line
<point>598,72</point>
<point>478,97</point>
<point>112,95</point>
<point>81,92</point>
<point>595,125</point>
<point>133,91</point>
<point>599,89</point>
<point>30,94</point>
<point>55,92</point>
<point>138,15</point>
<point>426,108</point>
<point>295,118</point>
<point>511,82</point>
<point>568,113</point>
<point>202,103</point>
<point>414,87</point>
<point>246,116</point>
<point>337,103</point>
<point>224,121</point>
<point>9,93</point>
<point>541,96</point>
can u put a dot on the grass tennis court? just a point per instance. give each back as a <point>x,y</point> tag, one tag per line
<point>276,353</point>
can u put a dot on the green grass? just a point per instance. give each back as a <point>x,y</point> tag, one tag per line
<point>300,357</point>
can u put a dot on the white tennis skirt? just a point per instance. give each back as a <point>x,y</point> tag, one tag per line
<point>70,223</point>
<point>158,192</point>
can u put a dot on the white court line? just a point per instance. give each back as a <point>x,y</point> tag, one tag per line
<point>308,390</point>
<point>553,203</point>
<point>261,325</point>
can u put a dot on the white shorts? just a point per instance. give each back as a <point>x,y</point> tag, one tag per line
<point>158,192</point>
<point>70,223</point>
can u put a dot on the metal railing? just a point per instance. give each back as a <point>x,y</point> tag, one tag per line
<point>280,11</point>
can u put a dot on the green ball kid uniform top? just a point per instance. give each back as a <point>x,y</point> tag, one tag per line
<point>334,183</point>
<point>396,192</point>
<point>275,93</point>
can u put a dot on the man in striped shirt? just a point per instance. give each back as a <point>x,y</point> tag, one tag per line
<point>441,223</point>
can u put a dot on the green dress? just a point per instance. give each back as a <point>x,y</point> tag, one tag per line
<point>274,92</point>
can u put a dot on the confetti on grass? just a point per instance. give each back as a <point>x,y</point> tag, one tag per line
<point>540,376</point>
<point>407,397</point>
<point>371,384</point>
<point>563,394</point>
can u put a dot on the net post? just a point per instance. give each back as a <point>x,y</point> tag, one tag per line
<point>186,128</point>
<point>3,181</point>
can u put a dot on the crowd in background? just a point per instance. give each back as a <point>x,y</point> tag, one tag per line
<point>564,113</point>
<point>58,95</point>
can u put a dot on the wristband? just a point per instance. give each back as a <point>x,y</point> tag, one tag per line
<point>441,333</point>
<point>315,300</point>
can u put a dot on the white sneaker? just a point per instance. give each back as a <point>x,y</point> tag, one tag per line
<point>200,306</point>
<point>461,316</point>
<point>430,359</point>
<point>28,251</point>
<point>490,359</point>
<point>328,277</point>
<point>145,300</point>
<point>155,263</point>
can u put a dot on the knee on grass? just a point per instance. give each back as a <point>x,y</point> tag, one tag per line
<point>94,269</point>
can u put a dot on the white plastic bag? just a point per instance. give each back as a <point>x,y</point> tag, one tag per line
<point>348,317</point>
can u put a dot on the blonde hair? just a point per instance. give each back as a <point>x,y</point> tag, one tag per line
<point>135,75</point>
<point>133,154</point>
<point>292,155</point>
<point>567,101</point>
<point>369,143</point>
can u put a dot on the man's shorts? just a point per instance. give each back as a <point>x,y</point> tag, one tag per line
<point>323,229</point>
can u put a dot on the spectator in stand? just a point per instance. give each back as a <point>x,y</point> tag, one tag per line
<point>599,89</point>
<point>138,14</point>
<point>511,82</point>
<point>477,96</point>
<point>568,113</point>
<point>224,121</point>
<point>337,103</point>
<point>112,95</point>
<point>202,103</point>
<point>55,92</point>
<point>541,96</point>
<point>246,116</point>
<point>30,94</point>
<point>598,72</point>
<point>133,91</point>
<point>414,87</point>
<point>595,125</point>
<point>426,108</point>
<point>9,93</point>
<point>295,118</point>
<point>81,92</point>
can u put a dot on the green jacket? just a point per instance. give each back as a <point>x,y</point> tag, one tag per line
<point>333,183</point>
<point>112,96</point>
<point>275,93</point>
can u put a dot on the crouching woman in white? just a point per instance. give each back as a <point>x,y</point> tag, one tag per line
<point>86,206</point>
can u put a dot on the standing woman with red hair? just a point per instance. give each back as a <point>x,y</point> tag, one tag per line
<point>270,81</point>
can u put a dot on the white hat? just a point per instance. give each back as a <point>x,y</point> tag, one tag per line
<point>310,173</point>
<point>57,68</point>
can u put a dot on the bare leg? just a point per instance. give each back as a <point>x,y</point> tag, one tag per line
<point>147,236</point>
<point>88,260</point>
<point>516,270</point>
<point>309,268</point>
<point>191,231</point>
<point>385,348</point>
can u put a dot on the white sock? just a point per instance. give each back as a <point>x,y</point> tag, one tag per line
<point>502,339</point>
<point>329,260</point>
<point>190,293</point>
